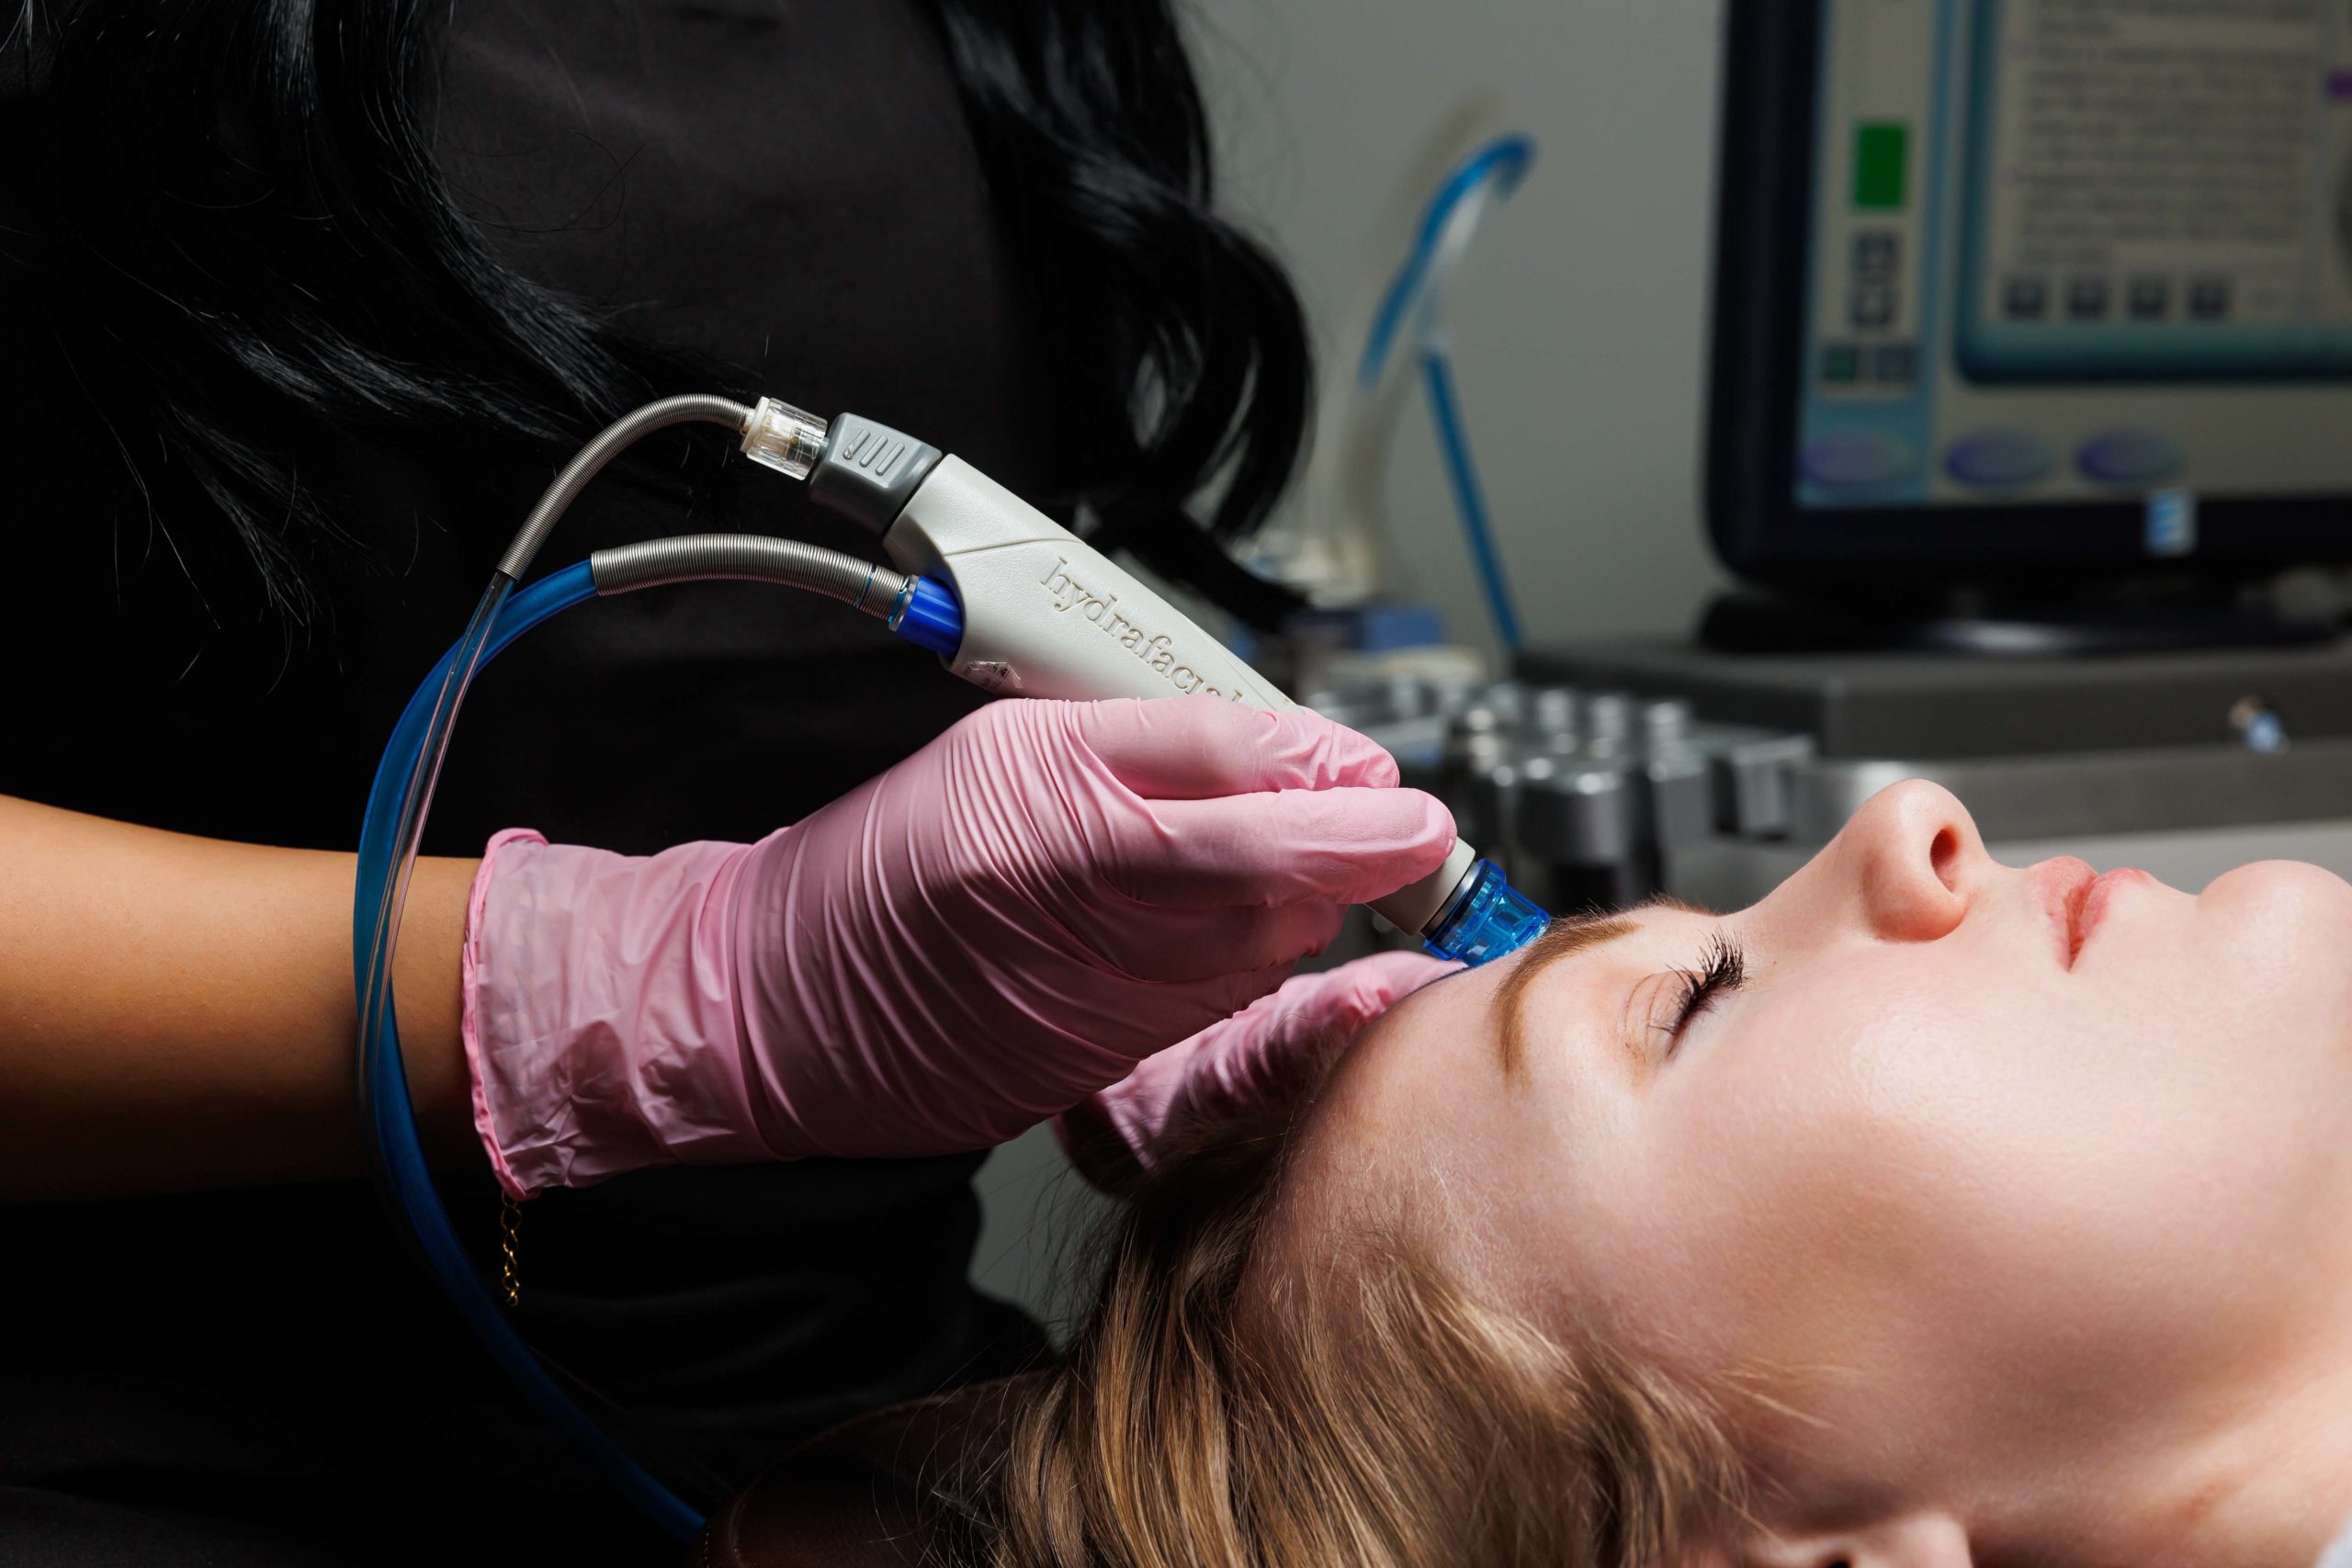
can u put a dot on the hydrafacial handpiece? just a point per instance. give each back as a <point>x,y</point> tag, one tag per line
<point>1006,597</point>
<point>1045,615</point>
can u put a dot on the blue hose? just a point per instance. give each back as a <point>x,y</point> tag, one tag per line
<point>1500,164</point>
<point>1469,498</point>
<point>387,849</point>
<point>1504,161</point>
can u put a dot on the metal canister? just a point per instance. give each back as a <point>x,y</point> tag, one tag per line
<point>1475,742</point>
<point>1554,720</point>
<point>1578,832</point>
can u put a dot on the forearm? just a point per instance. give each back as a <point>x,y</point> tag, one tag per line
<point>177,1013</point>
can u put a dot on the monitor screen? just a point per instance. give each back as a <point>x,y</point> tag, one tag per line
<point>2078,270</point>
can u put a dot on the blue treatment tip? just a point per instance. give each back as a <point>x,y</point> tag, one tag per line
<point>1488,917</point>
<point>928,615</point>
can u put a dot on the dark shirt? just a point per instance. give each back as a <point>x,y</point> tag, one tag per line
<point>265,1376</point>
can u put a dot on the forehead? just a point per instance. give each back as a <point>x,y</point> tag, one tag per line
<point>1421,1124</point>
<point>1445,1054</point>
<point>1404,1140</point>
<point>1411,1083</point>
<point>1425,1123</point>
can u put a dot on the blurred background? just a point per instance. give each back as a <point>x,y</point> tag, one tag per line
<point>1593,477</point>
<point>1732,409</point>
<point>1579,321</point>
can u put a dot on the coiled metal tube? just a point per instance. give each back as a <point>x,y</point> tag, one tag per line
<point>692,408</point>
<point>750,558</point>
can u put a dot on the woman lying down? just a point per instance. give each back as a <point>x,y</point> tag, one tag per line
<point>1928,1212</point>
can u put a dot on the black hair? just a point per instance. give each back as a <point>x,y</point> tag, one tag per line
<point>1090,122</point>
<point>251,250</point>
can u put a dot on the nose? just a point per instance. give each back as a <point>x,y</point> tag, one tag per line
<point>1913,852</point>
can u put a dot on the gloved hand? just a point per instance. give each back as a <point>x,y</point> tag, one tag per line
<point>1270,1052</point>
<point>960,948</point>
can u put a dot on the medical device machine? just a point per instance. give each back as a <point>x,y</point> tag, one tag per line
<point>2023,293</point>
<point>1007,598</point>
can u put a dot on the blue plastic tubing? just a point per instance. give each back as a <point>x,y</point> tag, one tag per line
<point>1503,161</point>
<point>388,844</point>
<point>396,806</point>
<point>1469,496</point>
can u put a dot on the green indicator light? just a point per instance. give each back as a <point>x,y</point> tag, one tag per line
<point>1881,159</point>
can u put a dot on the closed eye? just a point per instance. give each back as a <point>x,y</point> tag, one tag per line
<point>1723,969</point>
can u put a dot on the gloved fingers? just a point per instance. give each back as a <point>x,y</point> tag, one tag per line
<point>1280,1043</point>
<point>1228,994</point>
<point>1293,846</point>
<point>1163,945</point>
<point>1345,997</point>
<point>1199,748</point>
<point>1267,1055</point>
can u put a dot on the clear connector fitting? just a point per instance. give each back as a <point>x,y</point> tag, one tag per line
<point>787,439</point>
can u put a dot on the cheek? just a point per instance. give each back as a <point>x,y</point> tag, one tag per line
<point>1822,1162</point>
<point>1781,1184</point>
<point>1966,1197</point>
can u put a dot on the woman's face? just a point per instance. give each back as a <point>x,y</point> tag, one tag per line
<point>2002,1183</point>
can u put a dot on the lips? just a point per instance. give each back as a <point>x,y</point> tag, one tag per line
<point>2076,899</point>
<point>2099,899</point>
<point>2063,886</point>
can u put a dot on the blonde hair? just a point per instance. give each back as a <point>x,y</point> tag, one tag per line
<point>1222,1407</point>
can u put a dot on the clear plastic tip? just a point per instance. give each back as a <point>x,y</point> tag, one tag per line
<point>786,438</point>
<point>1489,918</point>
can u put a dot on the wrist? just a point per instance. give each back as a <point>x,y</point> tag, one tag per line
<point>470,1003</point>
<point>601,1022</point>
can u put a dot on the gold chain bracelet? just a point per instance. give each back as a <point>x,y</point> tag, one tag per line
<point>509,1222</point>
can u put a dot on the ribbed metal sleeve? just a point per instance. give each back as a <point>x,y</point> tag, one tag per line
<point>747,557</point>
<point>694,408</point>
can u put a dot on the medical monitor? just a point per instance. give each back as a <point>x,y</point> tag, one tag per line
<point>2032,288</point>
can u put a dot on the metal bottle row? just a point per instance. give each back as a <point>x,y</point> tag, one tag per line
<point>1581,795</point>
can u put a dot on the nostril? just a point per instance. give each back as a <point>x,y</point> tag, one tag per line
<point>1943,854</point>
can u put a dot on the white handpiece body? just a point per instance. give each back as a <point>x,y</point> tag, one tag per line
<point>1047,616</point>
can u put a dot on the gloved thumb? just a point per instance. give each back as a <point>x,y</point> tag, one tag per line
<point>1271,1052</point>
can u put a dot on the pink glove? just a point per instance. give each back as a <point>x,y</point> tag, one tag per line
<point>955,951</point>
<point>1271,1052</point>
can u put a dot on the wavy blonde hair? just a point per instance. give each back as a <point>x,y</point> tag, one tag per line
<point>1228,1403</point>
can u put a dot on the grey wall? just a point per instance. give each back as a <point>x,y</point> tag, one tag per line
<point>1579,318</point>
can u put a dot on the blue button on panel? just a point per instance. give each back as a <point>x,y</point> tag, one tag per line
<point>2128,457</point>
<point>1856,460</point>
<point>1997,459</point>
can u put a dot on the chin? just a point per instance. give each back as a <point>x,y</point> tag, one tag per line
<point>2283,900</point>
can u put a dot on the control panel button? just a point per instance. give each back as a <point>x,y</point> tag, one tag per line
<point>2132,456</point>
<point>1856,460</point>
<point>1997,459</point>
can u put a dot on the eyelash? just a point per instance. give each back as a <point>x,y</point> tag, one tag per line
<point>1724,969</point>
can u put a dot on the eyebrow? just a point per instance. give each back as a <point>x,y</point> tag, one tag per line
<point>1563,938</point>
